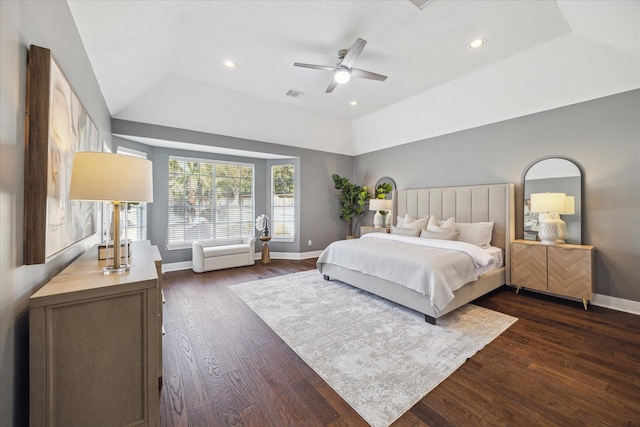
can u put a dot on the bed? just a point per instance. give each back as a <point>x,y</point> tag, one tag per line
<point>468,204</point>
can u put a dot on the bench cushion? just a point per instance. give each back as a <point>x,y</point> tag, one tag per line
<point>226,250</point>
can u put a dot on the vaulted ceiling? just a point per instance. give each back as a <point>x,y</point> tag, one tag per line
<point>161,62</point>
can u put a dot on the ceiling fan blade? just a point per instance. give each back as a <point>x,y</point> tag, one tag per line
<point>314,67</point>
<point>367,75</point>
<point>353,53</point>
<point>332,86</point>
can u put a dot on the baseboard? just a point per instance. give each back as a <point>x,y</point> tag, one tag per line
<point>187,265</point>
<point>614,303</point>
<point>294,255</point>
<point>598,300</point>
<point>177,266</point>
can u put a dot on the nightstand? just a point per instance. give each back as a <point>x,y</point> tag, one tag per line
<point>562,269</point>
<point>371,229</point>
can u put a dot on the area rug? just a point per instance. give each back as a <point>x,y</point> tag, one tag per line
<point>380,357</point>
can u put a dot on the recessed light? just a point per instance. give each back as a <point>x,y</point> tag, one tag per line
<point>230,64</point>
<point>477,43</point>
<point>353,103</point>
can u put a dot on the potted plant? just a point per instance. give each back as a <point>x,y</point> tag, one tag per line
<point>353,198</point>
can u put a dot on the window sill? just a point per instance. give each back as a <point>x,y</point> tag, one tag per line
<point>283,239</point>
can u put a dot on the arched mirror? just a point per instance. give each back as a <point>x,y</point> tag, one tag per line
<point>554,175</point>
<point>389,185</point>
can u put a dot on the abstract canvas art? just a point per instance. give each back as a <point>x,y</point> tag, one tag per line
<point>57,126</point>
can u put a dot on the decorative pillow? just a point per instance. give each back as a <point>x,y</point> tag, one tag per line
<point>438,235</point>
<point>411,222</point>
<point>448,226</point>
<point>413,232</point>
<point>399,221</point>
<point>476,233</point>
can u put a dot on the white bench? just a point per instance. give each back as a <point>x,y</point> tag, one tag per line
<point>209,258</point>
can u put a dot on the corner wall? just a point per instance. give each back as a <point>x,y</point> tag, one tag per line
<point>319,219</point>
<point>48,24</point>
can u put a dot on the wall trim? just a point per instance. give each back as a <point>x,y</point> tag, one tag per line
<point>186,265</point>
<point>177,266</point>
<point>628,306</point>
<point>605,301</point>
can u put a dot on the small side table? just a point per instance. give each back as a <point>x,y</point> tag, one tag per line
<point>266,256</point>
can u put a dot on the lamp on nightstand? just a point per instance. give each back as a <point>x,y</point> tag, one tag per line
<point>114,178</point>
<point>548,205</point>
<point>379,205</point>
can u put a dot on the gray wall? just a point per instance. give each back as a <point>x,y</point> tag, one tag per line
<point>601,136</point>
<point>48,24</point>
<point>319,219</point>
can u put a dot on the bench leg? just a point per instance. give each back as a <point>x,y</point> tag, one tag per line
<point>429,319</point>
<point>325,277</point>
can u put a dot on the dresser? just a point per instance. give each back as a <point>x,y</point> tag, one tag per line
<point>562,269</point>
<point>95,344</point>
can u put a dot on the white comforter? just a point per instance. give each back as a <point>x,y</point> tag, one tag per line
<point>431,267</point>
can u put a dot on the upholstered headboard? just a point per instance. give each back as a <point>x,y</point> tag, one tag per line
<point>477,203</point>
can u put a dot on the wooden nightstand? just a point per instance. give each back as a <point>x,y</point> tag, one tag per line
<point>563,269</point>
<point>371,229</point>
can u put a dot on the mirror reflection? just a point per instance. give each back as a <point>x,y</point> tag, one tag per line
<point>554,175</point>
<point>389,184</point>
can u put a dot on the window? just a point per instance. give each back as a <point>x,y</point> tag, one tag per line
<point>135,216</point>
<point>282,202</point>
<point>209,200</point>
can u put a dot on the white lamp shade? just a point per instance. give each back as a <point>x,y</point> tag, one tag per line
<point>379,205</point>
<point>569,206</point>
<point>111,177</point>
<point>548,202</point>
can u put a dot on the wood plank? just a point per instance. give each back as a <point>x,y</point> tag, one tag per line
<point>557,365</point>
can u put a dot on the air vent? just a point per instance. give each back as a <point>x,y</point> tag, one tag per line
<point>294,93</point>
<point>420,4</point>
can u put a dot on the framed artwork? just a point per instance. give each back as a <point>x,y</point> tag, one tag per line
<point>57,126</point>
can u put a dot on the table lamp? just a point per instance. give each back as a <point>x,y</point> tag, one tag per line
<point>379,205</point>
<point>113,178</point>
<point>547,205</point>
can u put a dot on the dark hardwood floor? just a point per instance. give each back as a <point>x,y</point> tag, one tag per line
<point>556,366</point>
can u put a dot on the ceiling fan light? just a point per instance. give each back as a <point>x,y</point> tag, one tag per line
<point>342,76</point>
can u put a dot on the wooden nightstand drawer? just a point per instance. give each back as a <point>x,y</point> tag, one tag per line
<point>570,271</point>
<point>565,270</point>
<point>371,229</point>
<point>529,265</point>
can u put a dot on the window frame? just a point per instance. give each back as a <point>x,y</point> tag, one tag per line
<point>142,206</point>
<point>271,195</point>
<point>187,244</point>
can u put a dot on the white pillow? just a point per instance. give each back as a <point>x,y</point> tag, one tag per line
<point>411,222</point>
<point>476,233</point>
<point>448,226</point>
<point>399,220</point>
<point>438,235</point>
<point>413,232</point>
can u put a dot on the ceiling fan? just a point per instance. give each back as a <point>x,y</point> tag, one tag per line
<point>343,70</point>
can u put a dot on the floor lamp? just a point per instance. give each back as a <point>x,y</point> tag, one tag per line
<point>113,178</point>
